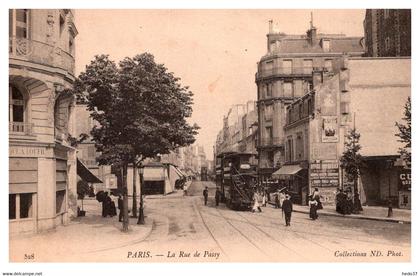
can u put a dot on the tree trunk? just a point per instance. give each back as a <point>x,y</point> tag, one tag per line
<point>134,207</point>
<point>141,213</point>
<point>125,198</point>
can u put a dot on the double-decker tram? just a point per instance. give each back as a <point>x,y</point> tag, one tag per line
<point>236,180</point>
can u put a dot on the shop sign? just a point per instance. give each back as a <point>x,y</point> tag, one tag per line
<point>329,129</point>
<point>405,180</point>
<point>26,151</point>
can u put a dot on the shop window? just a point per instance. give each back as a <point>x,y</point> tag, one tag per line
<point>25,205</point>
<point>59,201</point>
<point>12,206</point>
<point>20,206</point>
<point>71,46</point>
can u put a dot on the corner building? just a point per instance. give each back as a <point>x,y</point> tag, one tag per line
<point>285,74</point>
<point>42,164</point>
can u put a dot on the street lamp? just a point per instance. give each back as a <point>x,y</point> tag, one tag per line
<point>141,213</point>
<point>389,165</point>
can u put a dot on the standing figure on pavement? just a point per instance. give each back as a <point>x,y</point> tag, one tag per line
<point>264,199</point>
<point>287,208</point>
<point>256,205</point>
<point>184,187</point>
<point>313,208</point>
<point>282,197</point>
<point>340,202</point>
<point>206,195</point>
<point>105,205</point>
<point>317,197</point>
<point>277,200</point>
<point>218,196</point>
<point>120,207</point>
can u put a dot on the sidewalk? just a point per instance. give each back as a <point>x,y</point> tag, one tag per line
<point>80,239</point>
<point>369,213</point>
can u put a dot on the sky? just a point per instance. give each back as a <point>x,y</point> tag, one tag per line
<point>214,52</point>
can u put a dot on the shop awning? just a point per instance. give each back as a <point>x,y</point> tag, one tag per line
<point>86,174</point>
<point>286,171</point>
<point>180,173</point>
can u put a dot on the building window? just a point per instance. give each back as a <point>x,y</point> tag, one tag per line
<point>71,45</point>
<point>386,14</point>
<point>62,24</point>
<point>59,201</point>
<point>268,112</point>
<point>16,105</point>
<point>287,66</point>
<point>25,205</point>
<point>288,89</point>
<point>307,66</point>
<point>20,206</point>
<point>328,65</point>
<point>289,149</point>
<point>269,90</point>
<point>326,45</point>
<point>299,146</point>
<point>21,19</point>
<point>12,206</point>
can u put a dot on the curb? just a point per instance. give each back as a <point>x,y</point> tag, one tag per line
<point>355,216</point>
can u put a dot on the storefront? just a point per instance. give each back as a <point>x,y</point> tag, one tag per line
<point>295,179</point>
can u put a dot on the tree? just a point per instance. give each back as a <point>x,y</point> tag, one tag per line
<point>405,133</point>
<point>352,161</point>
<point>142,111</point>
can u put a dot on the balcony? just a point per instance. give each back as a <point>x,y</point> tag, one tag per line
<point>271,142</point>
<point>284,72</point>
<point>40,53</point>
<point>20,128</point>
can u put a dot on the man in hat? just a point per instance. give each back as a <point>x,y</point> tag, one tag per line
<point>206,195</point>
<point>218,196</point>
<point>287,208</point>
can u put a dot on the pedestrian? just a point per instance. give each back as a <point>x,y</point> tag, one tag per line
<point>287,208</point>
<point>313,208</point>
<point>185,189</point>
<point>277,200</point>
<point>340,202</point>
<point>357,203</point>
<point>120,207</point>
<point>206,195</point>
<point>256,205</point>
<point>282,197</point>
<point>264,199</point>
<point>317,197</point>
<point>105,205</point>
<point>218,196</point>
<point>108,205</point>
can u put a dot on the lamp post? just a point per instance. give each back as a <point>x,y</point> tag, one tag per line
<point>390,165</point>
<point>141,213</point>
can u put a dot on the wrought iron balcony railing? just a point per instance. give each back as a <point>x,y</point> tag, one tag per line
<point>40,53</point>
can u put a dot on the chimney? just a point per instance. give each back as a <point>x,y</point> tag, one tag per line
<point>311,33</point>
<point>270,26</point>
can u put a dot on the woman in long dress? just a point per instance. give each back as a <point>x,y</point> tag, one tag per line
<point>256,205</point>
<point>313,208</point>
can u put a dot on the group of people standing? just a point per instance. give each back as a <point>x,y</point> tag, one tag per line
<point>346,203</point>
<point>108,206</point>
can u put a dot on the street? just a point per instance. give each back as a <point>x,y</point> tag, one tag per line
<point>182,229</point>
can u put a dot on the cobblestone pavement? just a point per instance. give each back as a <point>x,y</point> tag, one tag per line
<point>182,229</point>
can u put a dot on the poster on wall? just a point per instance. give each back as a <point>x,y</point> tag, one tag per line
<point>329,129</point>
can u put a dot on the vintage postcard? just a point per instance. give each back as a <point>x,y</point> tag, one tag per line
<point>215,136</point>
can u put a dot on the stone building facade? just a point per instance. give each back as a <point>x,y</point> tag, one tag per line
<point>367,94</point>
<point>42,164</point>
<point>285,74</point>
<point>388,32</point>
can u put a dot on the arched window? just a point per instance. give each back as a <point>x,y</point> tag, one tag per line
<point>16,105</point>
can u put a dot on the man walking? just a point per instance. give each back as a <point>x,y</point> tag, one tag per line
<point>287,208</point>
<point>206,195</point>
